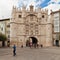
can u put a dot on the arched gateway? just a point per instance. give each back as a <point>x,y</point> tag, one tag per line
<point>30,23</point>
<point>33,40</point>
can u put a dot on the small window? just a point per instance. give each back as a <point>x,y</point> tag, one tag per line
<point>8,25</point>
<point>2,29</point>
<point>19,16</point>
<point>42,16</point>
<point>8,36</point>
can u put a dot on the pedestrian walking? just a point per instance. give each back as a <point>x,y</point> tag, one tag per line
<point>14,50</point>
<point>41,45</point>
<point>30,42</point>
<point>37,44</point>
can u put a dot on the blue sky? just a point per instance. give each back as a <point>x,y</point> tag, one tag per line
<point>45,3</point>
<point>6,5</point>
<point>38,3</point>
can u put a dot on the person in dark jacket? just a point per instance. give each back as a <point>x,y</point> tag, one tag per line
<point>14,50</point>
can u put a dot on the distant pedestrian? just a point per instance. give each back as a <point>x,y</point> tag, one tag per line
<point>14,50</point>
<point>30,42</point>
<point>37,44</point>
<point>21,46</point>
<point>41,45</point>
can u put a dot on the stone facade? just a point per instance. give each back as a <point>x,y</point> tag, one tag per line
<point>30,23</point>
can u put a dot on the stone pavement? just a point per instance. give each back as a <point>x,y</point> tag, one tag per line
<point>51,53</point>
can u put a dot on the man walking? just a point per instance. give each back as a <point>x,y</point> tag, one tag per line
<point>14,50</point>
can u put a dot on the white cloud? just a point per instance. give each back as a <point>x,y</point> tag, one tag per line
<point>55,1</point>
<point>6,7</point>
<point>53,7</point>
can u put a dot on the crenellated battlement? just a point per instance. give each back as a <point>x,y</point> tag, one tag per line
<point>30,9</point>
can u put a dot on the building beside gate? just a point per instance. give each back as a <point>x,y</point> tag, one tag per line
<point>56,27</point>
<point>5,28</point>
<point>30,23</point>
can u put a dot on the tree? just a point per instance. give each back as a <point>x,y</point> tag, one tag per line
<point>3,38</point>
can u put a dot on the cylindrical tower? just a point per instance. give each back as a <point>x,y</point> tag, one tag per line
<point>13,28</point>
<point>49,33</point>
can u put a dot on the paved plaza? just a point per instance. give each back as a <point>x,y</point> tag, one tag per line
<point>26,53</point>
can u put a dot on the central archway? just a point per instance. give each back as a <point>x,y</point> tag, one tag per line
<point>34,40</point>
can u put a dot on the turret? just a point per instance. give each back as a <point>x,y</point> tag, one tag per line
<point>23,8</point>
<point>13,14</point>
<point>23,11</point>
<point>49,32</point>
<point>39,12</point>
<point>14,9</point>
<point>31,8</point>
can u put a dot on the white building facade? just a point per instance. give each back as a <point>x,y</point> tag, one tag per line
<point>56,27</point>
<point>5,29</point>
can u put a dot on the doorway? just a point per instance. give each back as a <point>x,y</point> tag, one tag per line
<point>34,41</point>
<point>57,42</point>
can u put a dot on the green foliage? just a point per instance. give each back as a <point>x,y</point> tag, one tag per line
<point>3,37</point>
